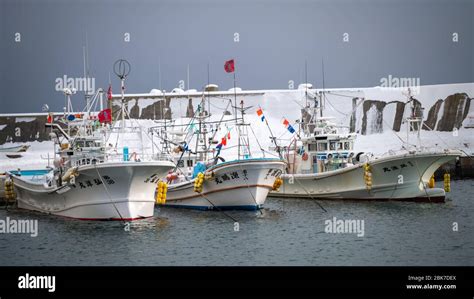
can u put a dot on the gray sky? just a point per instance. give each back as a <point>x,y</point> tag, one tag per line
<point>398,38</point>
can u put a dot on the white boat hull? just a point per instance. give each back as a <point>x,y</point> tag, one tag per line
<point>242,185</point>
<point>123,191</point>
<point>398,177</point>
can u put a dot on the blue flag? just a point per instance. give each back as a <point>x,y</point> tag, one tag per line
<point>291,129</point>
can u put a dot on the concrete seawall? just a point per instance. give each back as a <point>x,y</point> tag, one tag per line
<point>24,127</point>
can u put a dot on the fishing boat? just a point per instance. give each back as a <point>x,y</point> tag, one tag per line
<point>322,164</point>
<point>90,179</point>
<point>203,179</point>
<point>241,184</point>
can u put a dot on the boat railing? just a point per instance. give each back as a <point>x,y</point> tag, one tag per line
<point>117,157</point>
<point>413,150</point>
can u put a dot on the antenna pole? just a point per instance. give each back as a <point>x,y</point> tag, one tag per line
<point>159,73</point>
<point>85,75</point>
<point>323,94</point>
<point>122,89</point>
<point>187,79</point>
<point>208,83</point>
<point>306,82</point>
<point>273,139</point>
<point>236,117</point>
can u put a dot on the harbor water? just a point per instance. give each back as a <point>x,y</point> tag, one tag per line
<point>285,232</point>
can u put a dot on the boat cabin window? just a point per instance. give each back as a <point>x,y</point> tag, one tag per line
<point>180,163</point>
<point>332,145</point>
<point>190,163</point>
<point>347,145</point>
<point>322,146</point>
<point>339,146</point>
<point>311,147</point>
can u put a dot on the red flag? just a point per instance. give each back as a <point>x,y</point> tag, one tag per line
<point>109,93</point>
<point>229,66</point>
<point>228,135</point>
<point>259,112</point>
<point>105,116</point>
<point>50,118</point>
<point>286,123</point>
<point>224,141</point>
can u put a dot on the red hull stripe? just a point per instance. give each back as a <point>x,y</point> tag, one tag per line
<point>105,219</point>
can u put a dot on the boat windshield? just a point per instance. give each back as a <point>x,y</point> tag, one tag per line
<point>322,146</point>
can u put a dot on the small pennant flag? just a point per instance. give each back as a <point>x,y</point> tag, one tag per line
<point>291,129</point>
<point>287,125</point>
<point>260,114</point>
<point>109,93</point>
<point>228,135</point>
<point>229,66</point>
<point>224,141</point>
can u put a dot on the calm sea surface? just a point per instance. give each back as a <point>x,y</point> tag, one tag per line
<point>286,232</point>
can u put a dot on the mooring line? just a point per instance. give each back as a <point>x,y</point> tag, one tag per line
<point>217,208</point>
<point>248,188</point>
<point>310,194</point>
<point>108,194</point>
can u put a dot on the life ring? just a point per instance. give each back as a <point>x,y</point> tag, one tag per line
<point>305,156</point>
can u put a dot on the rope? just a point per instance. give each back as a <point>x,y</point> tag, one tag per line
<point>248,188</point>
<point>108,194</point>
<point>263,151</point>
<point>315,200</point>
<point>217,208</point>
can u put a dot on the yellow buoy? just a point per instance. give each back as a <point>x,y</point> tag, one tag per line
<point>277,184</point>
<point>368,176</point>
<point>447,182</point>
<point>161,191</point>
<point>431,182</point>
<point>199,182</point>
<point>10,194</point>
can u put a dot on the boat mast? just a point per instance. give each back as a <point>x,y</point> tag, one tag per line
<point>306,92</point>
<point>236,118</point>
<point>321,99</point>
<point>122,69</point>
<point>412,118</point>
<point>306,82</point>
